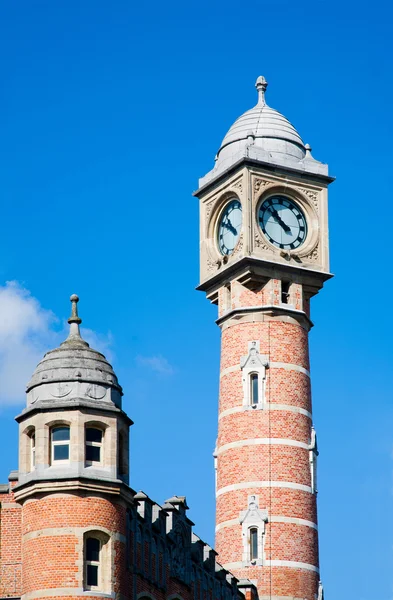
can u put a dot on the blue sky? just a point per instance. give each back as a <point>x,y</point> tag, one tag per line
<point>109,114</point>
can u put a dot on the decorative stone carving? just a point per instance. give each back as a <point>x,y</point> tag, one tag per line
<point>60,390</point>
<point>213,264</point>
<point>313,255</point>
<point>97,392</point>
<point>209,208</point>
<point>260,183</point>
<point>260,243</point>
<point>313,196</point>
<point>238,185</point>
<point>239,245</point>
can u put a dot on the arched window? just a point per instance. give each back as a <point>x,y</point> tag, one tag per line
<point>60,444</point>
<point>93,450</point>
<point>32,450</point>
<point>254,389</point>
<point>253,543</point>
<point>92,563</point>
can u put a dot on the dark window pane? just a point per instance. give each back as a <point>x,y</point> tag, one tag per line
<point>60,434</point>
<point>93,435</point>
<point>253,544</point>
<point>92,575</point>
<point>61,452</point>
<point>92,549</point>
<point>93,453</point>
<point>254,389</point>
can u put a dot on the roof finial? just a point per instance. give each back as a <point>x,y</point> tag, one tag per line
<point>261,85</point>
<point>74,319</point>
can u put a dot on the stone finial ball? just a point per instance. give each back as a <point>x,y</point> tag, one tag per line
<point>74,298</point>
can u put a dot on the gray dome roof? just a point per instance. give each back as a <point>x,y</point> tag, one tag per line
<point>74,360</point>
<point>265,129</point>
<point>262,122</point>
<point>264,135</point>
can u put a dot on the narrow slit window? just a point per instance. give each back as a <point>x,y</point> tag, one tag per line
<point>254,391</point>
<point>284,292</point>
<point>92,559</point>
<point>93,445</point>
<point>32,451</point>
<point>60,444</point>
<point>253,543</point>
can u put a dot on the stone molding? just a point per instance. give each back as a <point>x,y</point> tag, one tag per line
<point>264,484</point>
<point>272,519</point>
<point>268,406</point>
<point>262,442</point>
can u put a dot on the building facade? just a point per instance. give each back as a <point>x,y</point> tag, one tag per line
<point>70,524</point>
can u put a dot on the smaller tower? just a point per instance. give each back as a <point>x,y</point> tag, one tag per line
<point>73,471</point>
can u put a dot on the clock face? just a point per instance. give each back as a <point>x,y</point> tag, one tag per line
<point>229,227</point>
<point>282,222</point>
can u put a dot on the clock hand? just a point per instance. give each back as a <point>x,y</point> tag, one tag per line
<point>279,220</point>
<point>229,226</point>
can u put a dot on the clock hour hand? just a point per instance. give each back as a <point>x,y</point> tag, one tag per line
<point>279,220</point>
<point>229,226</point>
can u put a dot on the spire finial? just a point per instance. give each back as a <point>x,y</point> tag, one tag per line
<point>261,85</point>
<point>74,319</point>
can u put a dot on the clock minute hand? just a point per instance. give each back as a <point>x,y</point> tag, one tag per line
<point>279,220</point>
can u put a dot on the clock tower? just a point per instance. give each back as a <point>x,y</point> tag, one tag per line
<point>264,255</point>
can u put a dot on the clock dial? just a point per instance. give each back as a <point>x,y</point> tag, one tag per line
<point>283,222</point>
<point>229,227</point>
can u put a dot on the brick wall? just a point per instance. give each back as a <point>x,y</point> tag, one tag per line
<point>265,452</point>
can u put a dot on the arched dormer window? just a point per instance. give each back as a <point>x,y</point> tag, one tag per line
<point>94,446</point>
<point>60,444</point>
<point>254,366</point>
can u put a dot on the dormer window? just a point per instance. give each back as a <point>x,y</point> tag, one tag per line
<point>60,444</point>
<point>253,367</point>
<point>93,446</point>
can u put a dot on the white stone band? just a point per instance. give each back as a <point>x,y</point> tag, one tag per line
<point>291,564</point>
<point>76,531</point>
<point>263,484</point>
<point>61,592</point>
<point>272,365</point>
<point>264,442</point>
<point>267,406</point>
<point>272,519</point>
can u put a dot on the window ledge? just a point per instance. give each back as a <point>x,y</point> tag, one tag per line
<point>98,594</point>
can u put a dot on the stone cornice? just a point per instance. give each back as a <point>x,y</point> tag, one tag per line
<point>79,484</point>
<point>271,310</point>
<point>260,269</point>
<point>75,404</point>
<point>245,161</point>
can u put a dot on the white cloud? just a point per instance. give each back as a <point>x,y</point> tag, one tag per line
<point>25,334</point>
<point>27,331</point>
<point>158,363</point>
